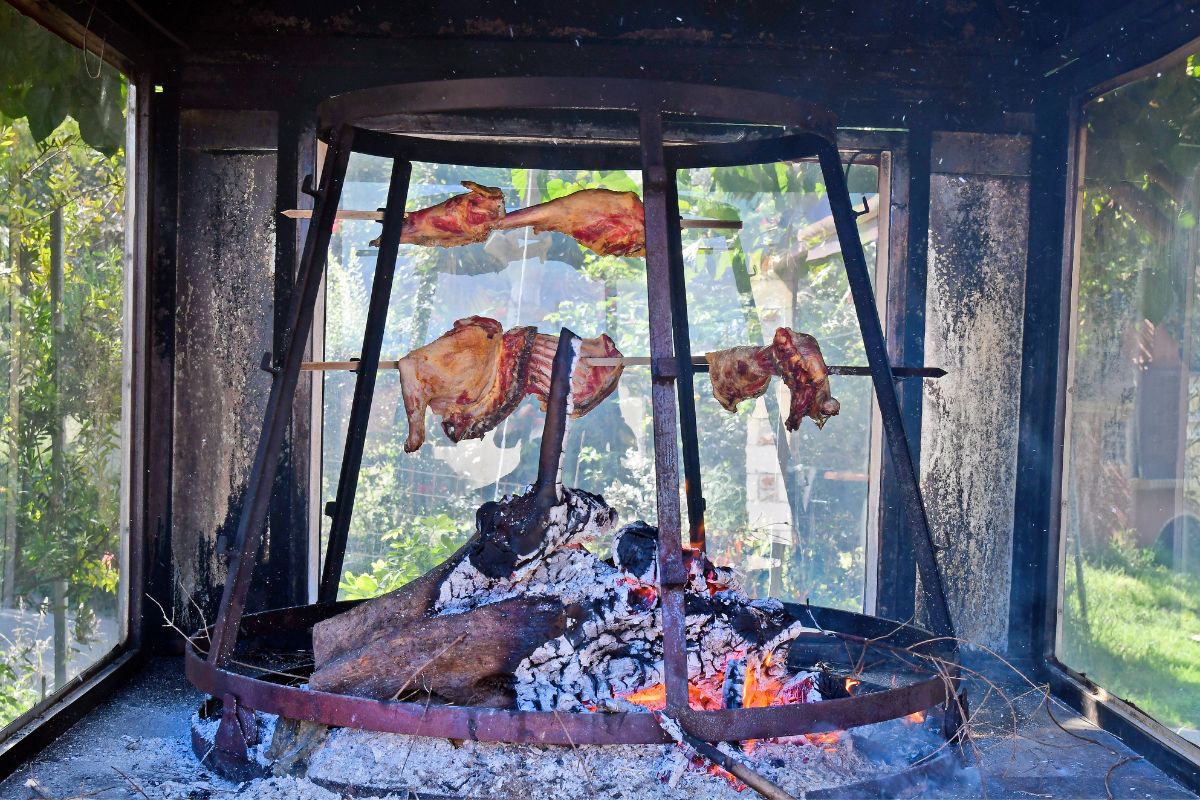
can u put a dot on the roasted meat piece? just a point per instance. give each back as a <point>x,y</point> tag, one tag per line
<point>607,222</point>
<point>463,219</point>
<point>589,384</point>
<point>473,376</point>
<point>741,373</point>
<point>799,362</point>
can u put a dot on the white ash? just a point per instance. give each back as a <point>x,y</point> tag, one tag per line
<point>577,521</point>
<point>382,762</point>
<point>613,642</point>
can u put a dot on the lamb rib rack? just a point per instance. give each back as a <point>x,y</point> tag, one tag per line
<point>607,222</point>
<point>474,376</point>
<point>741,373</point>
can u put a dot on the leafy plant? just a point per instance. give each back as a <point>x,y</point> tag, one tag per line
<point>62,191</point>
<point>415,547</point>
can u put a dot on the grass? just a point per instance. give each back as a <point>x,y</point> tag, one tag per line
<point>1137,639</point>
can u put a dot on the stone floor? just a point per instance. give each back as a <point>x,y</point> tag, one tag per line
<point>137,745</point>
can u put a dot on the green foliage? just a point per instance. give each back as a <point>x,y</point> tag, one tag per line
<point>413,548</point>
<point>1138,640</point>
<point>46,81</point>
<point>22,663</point>
<point>61,166</point>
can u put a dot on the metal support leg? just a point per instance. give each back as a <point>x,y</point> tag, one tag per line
<point>885,390</point>
<point>364,383</point>
<point>279,402</point>
<point>661,228</point>
<point>689,442</point>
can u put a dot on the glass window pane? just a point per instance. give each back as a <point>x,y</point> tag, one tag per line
<point>789,511</point>
<point>1131,521</point>
<point>62,240</point>
<point>414,509</point>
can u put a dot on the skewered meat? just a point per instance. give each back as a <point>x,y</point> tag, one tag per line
<point>589,384</point>
<point>473,376</point>
<point>463,219</point>
<point>607,222</point>
<point>799,362</point>
<point>741,373</point>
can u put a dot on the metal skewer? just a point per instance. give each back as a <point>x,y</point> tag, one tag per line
<point>698,363</point>
<point>713,224</point>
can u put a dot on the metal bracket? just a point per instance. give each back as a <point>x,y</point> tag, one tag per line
<point>331,509</point>
<point>866,209</point>
<point>306,186</point>
<point>664,368</point>
<point>267,364</point>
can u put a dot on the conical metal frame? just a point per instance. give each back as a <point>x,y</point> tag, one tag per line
<point>779,129</point>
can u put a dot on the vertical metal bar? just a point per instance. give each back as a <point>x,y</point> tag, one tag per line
<point>885,389</point>
<point>684,382</point>
<point>364,384</point>
<point>661,226</point>
<point>279,402</point>
<point>896,571</point>
<point>1054,182</point>
<point>54,517</point>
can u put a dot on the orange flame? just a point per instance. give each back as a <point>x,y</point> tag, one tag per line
<point>915,718</point>
<point>851,683</point>
<point>654,697</point>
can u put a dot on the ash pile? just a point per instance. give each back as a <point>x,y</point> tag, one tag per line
<point>556,628</point>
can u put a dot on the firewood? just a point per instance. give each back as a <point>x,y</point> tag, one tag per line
<point>466,658</point>
<point>378,616</point>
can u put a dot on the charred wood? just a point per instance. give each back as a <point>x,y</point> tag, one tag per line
<point>466,658</point>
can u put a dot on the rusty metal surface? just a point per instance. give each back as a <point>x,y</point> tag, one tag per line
<point>376,108</point>
<point>487,724</point>
<point>660,216</point>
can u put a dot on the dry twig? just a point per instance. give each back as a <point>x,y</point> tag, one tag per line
<point>132,783</point>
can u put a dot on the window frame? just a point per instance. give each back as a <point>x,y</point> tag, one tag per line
<point>41,724</point>
<point>1163,746</point>
<point>890,146</point>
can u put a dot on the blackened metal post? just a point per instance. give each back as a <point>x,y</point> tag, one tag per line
<point>279,402</point>
<point>364,383</point>
<point>661,225</point>
<point>885,389</point>
<point>549,478</point>
<point>690,444</point>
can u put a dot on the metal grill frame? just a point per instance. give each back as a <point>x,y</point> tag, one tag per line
<point>654,128</point>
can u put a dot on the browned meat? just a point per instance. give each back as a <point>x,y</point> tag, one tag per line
<point>463,219</point>
<point>741,373</point>
<point>472,376</point>
<point>607,222</point>
<point>475,374</point>
<point>589,384</point>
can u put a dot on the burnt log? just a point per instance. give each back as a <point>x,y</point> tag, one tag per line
<point>375,618</point>
<point>466,658</point>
